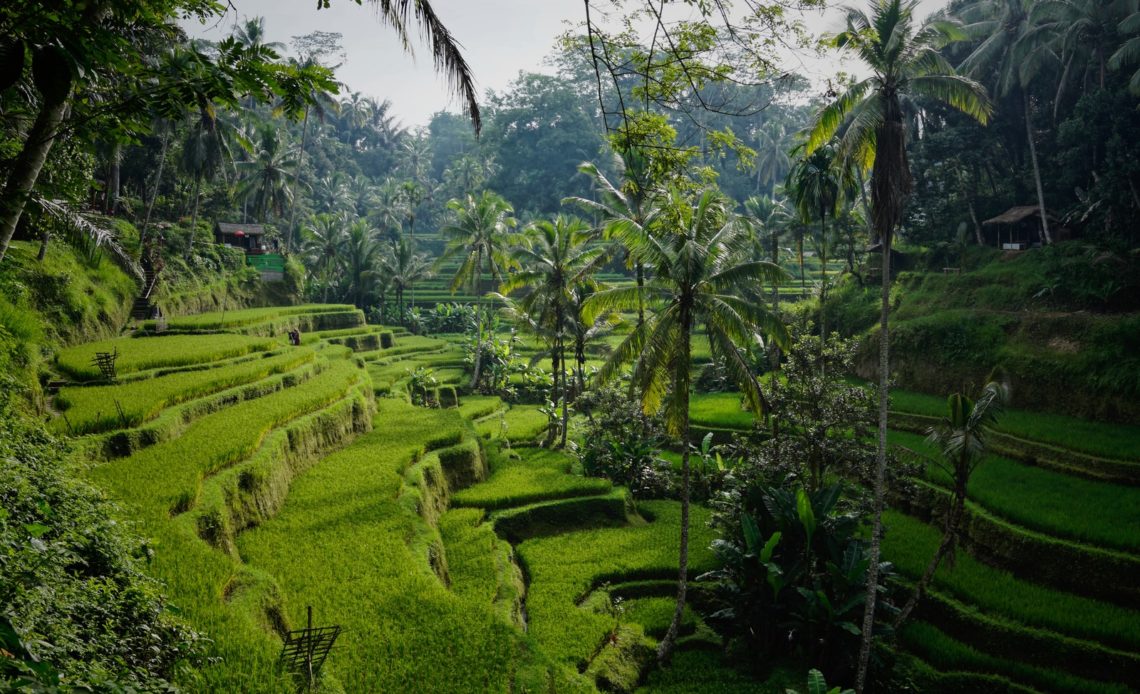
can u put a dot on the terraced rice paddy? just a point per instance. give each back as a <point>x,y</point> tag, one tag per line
<point>270,478</point>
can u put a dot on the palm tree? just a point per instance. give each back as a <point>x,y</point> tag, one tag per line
<point>557,256</point>
<point>1083,34</point>
<point>903,60</point>
<point>267,177</point>
<point>205,151</point>
<point>361,251</point>
<point>388,208</point>
<point>321,102</point>
<point>1128,53</point>
<point>767,215</point>
<point>324,245</point>
<point>251,35</point>
<point>961,440</point>
<point>696,281</point>
<point>477,235</point>
<point>816,185</point>
<point>631,202</point>
<point>1005,54</point>
<point>404,268</point>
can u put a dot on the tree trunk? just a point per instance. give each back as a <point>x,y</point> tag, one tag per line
<point>1036,168</point>
<point>639,269</point>
<point>157,183</point>
<point>822,283</point>
<point>478,321</point>
<point>665,648</point>
<point>114,177</point>
<point>565,393</point>
<point>800,252</point>
<point>193,218</point>
<point>949,539</point>
<point>293,234</point>
<point>880,467</point>
<point>978,236</point>
<point>26,169</point>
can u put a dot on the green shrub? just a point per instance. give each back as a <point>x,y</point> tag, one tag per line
<point>72,580</point>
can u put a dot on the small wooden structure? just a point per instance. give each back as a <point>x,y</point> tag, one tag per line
<point>260,253</point>
<point>248,237</point>
<point>106,363</point>
<point>305,651</point>
<point>1018,228</point>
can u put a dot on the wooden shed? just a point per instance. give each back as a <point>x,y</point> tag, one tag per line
<point>248,237</point>
<point>1018,228</point>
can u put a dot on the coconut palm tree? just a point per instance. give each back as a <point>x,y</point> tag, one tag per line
<point>555,257</point>
<point>477,234</point>
<point>361,251</point>
<point>1083,34</point>
<point>904,61</point>
<point>205,152</point>
<point>1128,53</point>
<point>629,202</point>
<point>320,103</point>
<point>324,243</point>
<point>961,438</point>
<point>696,282</point>
<point>1012,62</point>
<point>816,184</point>
<point>265,180</point>
<point>404,268</point>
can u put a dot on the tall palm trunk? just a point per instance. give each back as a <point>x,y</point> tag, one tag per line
<point>800,252</point>
<point>26,169</point>
<point>157,183</point>
<point>1036,167</point>
<point>639,269</point>
<point>194,217</point>
<point>823,279</point>
<point>665,648</point>
<point>880,468</point>
<point>297,176</point>
<point>565,391</point>
<point>950,527</point>
<point>477,282</point>
<point>114,177</point>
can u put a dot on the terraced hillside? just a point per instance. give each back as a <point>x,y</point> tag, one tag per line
<point>1046,596</point>
<point>269,478</point>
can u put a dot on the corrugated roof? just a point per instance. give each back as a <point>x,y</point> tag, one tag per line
<point>249,229</point>
<point>1015,214</point>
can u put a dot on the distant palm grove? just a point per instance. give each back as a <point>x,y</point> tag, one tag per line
<point>662,370</point>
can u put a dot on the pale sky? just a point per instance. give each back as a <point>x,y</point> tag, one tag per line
<point>499,38</point>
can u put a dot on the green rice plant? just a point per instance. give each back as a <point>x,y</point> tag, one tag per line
<point>655,614</point>
<point>519,424</point>
<point>480,565</point>
<point>946,653</point>
<point>138,354</point>
<point>564,569</point>
<point>168,475</point>
<point>1048,501</point>
<point>205,583</point>
<point>701,669</point>
<point>218,320</point>
<point>93,408</point>
<point>341,545</point>
<point>536,475</point>
<point>477,406</point>
<point>1117,441</point>
<point>719,411</point>
<point>910,543</point>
